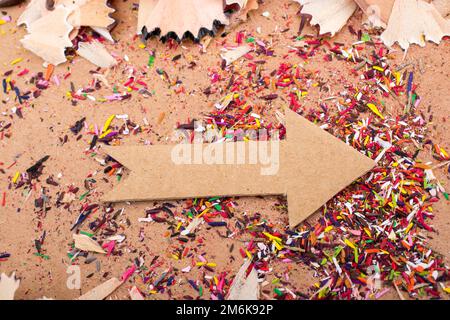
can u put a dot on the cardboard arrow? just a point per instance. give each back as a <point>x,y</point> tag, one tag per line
<point>313,166</point>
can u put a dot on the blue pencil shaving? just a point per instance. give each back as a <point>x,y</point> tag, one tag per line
<point>410,82</point>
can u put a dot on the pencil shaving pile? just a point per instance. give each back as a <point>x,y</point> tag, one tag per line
<point>405,21</point>
<point>187,16</point>
<point>51,31</point>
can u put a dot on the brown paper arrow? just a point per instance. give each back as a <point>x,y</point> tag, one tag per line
<point>313,167</point>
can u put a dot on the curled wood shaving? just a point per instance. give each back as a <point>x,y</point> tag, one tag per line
<point>96,53</point>
<point>185,16</point>
<point>50,45</point>
<point>330,15</point>
<point>85,243</point>
<point>102,291</point>
<point>245,287</point>
<point>8,286</point>
<point>414,22</point>
<point>232,55</point>
<point>35,10</point>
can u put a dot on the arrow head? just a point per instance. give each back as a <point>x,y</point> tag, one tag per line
<point>316,166</point>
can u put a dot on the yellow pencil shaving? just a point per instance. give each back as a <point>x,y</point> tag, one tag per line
<point>203,212</point>
<point>15,61</point>
<point>249,255</point>
<point>328,229</point>
<point>366,140</point>
<point>16,177</point>
<point>409,227</point>
<point>277,245</point>
<point>108,123</point>
<point>271,237</point>
<point>211,264</point>
<point>378,68</point>
<point>350,244</point>
<point>200,264</point>
<point>397,78</point>
<point>8,84</point>
<point>374,109</point>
